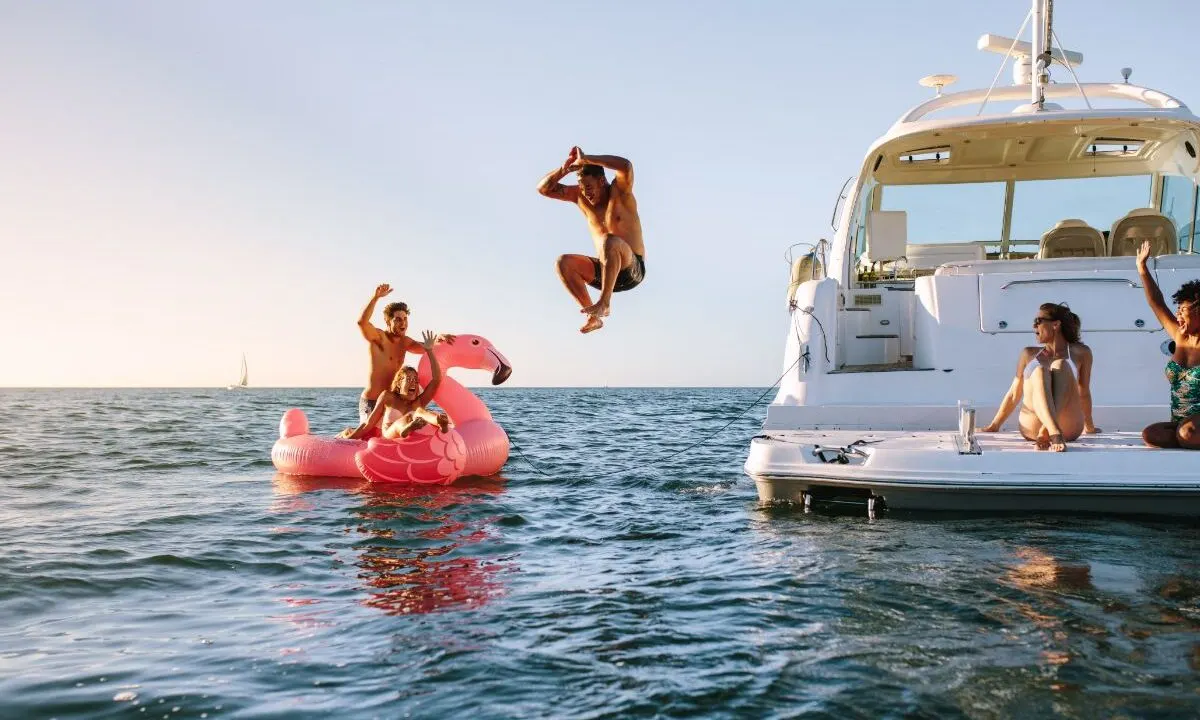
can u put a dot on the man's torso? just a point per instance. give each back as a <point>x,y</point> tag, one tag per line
<point>386,359</point>
<point>616,216</point>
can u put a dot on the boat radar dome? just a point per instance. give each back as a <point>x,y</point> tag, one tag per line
<point>938,82</point>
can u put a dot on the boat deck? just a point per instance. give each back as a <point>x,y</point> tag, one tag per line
<point>1006,442</point>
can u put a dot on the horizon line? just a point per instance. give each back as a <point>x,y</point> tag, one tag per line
<point>353,387</point>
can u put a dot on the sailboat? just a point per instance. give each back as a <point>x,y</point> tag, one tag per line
<point>244,378</point>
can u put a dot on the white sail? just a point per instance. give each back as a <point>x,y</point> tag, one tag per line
<point>243,378</point>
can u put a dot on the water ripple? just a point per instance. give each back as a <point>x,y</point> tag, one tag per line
<point>152,567</point>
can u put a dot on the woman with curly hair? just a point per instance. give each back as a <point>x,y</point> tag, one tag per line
<point>1052,384</point>
<point>1183,369</point>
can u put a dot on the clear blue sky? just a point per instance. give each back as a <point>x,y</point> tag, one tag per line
<point>184,181</point>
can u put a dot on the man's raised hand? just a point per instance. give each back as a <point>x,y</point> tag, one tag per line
<point>382,290</point>
<point>574,159</point>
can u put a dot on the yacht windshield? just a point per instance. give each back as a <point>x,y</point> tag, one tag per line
<point>975,212</point>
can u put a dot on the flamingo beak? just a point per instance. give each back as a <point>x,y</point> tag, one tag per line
<point>502,370</point>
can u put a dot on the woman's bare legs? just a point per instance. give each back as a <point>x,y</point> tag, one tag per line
<point>1051,413</point>
<point>1184,434</point>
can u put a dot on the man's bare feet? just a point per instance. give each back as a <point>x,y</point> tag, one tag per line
<point>593,323</point>
<point>600,309</point>
<point>1057,444</point>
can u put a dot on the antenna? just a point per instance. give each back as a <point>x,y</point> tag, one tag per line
<point>938,82</point>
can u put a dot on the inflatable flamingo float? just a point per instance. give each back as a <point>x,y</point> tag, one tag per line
<point>474,445</point>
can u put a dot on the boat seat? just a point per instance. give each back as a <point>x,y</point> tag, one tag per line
<point>922,257</point>
<point>1071,238</point>
<point>1142,224</point>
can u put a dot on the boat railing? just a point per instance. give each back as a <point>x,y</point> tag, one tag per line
<point>1147,97</point>
<point>1040,281</point>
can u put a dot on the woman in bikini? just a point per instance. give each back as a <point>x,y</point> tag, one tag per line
<point>1053,383</point>
<point>401,408</point>
<point>1183,369</point>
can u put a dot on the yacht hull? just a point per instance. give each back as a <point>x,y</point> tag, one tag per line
<point>1110,474</point>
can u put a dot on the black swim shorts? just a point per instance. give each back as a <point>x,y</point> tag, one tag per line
<point>627,279</point>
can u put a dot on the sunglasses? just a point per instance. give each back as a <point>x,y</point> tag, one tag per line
<point>1039,320</point>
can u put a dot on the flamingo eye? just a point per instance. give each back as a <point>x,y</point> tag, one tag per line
<point>474,342</point>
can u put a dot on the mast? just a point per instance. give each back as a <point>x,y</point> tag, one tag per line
<point>1036,96</point>
<point>1043,36</point>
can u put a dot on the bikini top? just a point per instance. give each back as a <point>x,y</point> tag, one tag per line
<point>1035,362</point>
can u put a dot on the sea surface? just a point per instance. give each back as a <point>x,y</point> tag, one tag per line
<point>152,564</point>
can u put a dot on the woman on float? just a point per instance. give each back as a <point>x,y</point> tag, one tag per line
<point>1053,383</point>
<point>1183,369</point>
<point>401,409</point>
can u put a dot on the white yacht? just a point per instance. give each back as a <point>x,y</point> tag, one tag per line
<point>964,217</point>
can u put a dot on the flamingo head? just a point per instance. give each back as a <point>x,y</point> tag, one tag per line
<point>474,353</point>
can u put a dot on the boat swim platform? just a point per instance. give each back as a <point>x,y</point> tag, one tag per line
<point>1108,472</point>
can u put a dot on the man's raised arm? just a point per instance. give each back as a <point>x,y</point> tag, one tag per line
<point>622,168</point>
<point>369,331</point>
<point>552,188</point>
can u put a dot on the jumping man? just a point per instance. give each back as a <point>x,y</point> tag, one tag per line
<point>612,216</point>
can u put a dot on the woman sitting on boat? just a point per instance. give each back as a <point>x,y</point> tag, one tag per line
<point>1183,369</point>
<point>1053,383</point>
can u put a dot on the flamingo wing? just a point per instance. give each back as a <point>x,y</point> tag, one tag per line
<point>427,457</point>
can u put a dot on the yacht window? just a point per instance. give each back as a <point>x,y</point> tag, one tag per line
<point>1099,201</point>
<point>1179,203</point>
<point>1113,147</point>
<point>858,224</point>
<point>951,213</point>
<point>938,155</point>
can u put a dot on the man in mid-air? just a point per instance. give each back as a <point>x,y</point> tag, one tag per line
<point>612,216</point>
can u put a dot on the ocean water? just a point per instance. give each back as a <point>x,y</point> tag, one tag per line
<point>152,564</point>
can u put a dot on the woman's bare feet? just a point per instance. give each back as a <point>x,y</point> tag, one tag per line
<point>413,426</point>
<point>1057,444</point>
<point>593,323</point>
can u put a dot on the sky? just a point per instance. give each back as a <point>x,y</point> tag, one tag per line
<point>184,182</point>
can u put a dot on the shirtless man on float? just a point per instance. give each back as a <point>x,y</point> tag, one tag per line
<point>612,216</point>
<point>387,347</point>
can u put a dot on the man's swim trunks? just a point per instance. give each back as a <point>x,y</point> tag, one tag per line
<point>365,406</point>
<point>627,279</point>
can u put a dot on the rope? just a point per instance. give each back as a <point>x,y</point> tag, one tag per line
<point>672,455</point>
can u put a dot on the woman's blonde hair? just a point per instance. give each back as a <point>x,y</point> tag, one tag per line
<point>399,376</point>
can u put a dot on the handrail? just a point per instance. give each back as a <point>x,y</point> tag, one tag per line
<point>1149,98</point>
<point>1131,283</point>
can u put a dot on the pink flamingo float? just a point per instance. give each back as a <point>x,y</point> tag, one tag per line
<point>474,445</point>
